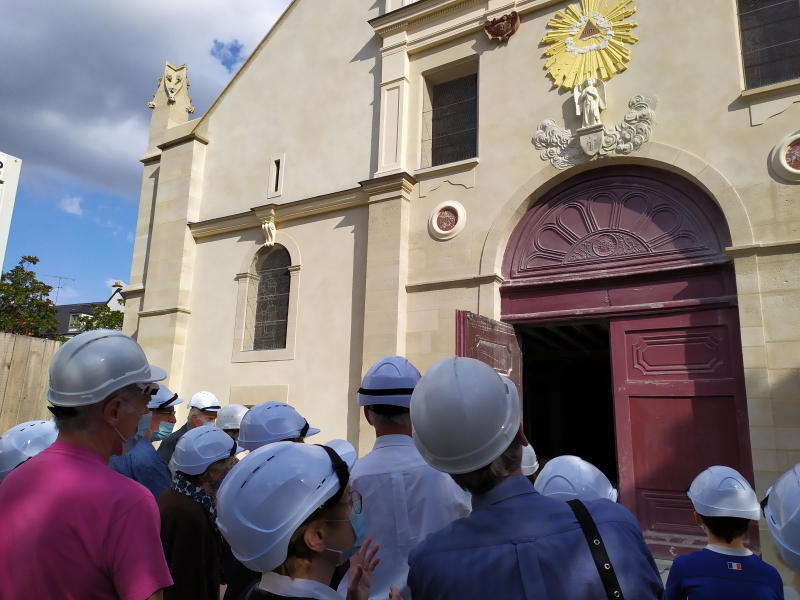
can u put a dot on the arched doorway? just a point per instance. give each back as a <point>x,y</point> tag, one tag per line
<point>623,303</point>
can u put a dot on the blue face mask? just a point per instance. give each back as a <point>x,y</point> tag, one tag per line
<point>209,424</point>
<point>359,523</point>
<point>141,428</point>
<point>164,430</point>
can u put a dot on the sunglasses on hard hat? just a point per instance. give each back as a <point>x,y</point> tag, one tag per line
<point>148,389</point>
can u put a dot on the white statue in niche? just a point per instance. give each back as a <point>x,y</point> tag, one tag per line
<point>590,100</point>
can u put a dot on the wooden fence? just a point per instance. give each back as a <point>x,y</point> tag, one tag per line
<point>24,369</point>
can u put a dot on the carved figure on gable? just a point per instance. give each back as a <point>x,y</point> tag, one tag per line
<point>590,100</point>
<point>174,83</point>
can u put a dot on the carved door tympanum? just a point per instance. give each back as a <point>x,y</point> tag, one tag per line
<point>680,407</point>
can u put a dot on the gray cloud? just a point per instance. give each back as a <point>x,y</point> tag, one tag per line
<point>76,77</point>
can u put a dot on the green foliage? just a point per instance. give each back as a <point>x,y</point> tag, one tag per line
<point>25,308</point>
<point>103,318</point>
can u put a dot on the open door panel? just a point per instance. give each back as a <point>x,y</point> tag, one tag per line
<point>492,342</point>
<point>680,407</point>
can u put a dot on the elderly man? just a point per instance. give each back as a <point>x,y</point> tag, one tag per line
<point>71,527</point>
<point>144,464</point>
<point>203,409</point>
<point>516,543</point>
<point>404,498</point>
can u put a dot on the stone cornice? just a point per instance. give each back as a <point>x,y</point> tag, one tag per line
<point>182,140</point>
<point>164,311</point>
<point>421,286</point>
<point>377,188</point>
<point>465,19</point>
<point>787,247</point>
<point>283,212</point>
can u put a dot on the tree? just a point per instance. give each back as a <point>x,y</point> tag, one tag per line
<point>25,308</point>
<point>102,317</point>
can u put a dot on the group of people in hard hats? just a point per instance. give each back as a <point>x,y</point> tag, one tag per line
<point>449,503</point>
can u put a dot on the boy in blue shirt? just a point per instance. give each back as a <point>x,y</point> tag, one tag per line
<point>724,505</point>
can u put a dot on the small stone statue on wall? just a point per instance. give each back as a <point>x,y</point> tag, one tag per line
<point>590,100</point>
<point>269,231</point>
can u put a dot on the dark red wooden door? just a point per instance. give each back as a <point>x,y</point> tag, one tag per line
<point>492,342</point>
<point>680,407</point>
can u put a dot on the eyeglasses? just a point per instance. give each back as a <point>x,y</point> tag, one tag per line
<point>355,506</point>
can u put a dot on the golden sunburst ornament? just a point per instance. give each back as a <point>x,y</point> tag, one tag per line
<point>589,41</point>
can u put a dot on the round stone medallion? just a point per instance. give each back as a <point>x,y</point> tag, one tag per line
<point>605,245</point>
<point>447,219</point>
<point>793,156</point>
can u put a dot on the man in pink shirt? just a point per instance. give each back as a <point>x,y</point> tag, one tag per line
<point>70,527</point>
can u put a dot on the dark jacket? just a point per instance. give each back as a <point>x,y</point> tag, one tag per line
<point>167,447</point>
<point>191,546</point>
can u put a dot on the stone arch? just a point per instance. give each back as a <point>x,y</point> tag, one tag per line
<point>668,158</point>
<point>281,239</point>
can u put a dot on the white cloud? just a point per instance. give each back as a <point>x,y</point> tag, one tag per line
<point>72,205</point>
<point>75,82</point>
<point>130,237</point>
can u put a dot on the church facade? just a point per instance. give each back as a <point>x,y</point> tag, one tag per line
<point>598,198</point>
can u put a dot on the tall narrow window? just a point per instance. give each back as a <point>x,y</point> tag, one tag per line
<point>450,121</point>
<point>277,174</point>
<point>268,302</point>
<point>770,31</point>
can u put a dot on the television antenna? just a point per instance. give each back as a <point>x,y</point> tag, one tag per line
<point>59,286</point>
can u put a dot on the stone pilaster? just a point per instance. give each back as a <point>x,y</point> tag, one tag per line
<point>387,273</point>
<point>158,307</point>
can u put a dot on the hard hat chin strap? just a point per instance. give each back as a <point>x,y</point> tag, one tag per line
<point>304,431</point>
<point>342,472</point>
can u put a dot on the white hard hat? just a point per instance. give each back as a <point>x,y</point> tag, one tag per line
<point>529,463</point>
<point>204,401</point>
<point>230,416</point>
<point>272,490</point>
<point>391,380</point>
<point>200,447</point>
<point>463,415</point>
<point>20,443</point>
<point>782,513</point>
<point>91,366</point>
<point>272,422</point>
<point>163,398</point>
<point>723,492</point>
<point>569,477</point>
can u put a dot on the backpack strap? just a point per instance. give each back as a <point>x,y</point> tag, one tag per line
<point>598,550</point>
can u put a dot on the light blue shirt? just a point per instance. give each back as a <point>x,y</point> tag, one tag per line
<point>519,544</point>
<point>404,500</point>
<point>144,464</point>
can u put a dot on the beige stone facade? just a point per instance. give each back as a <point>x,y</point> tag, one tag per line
<point>336,89</point>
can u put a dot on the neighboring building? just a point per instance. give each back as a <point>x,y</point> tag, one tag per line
<point>386,179</point>
<point>10,167</point>
<point>69,314</point>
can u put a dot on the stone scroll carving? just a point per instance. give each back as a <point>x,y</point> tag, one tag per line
<point>172,83</point>
<point>268,226</point>
<point>564,149</point>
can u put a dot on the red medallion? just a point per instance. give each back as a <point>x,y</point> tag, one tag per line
<point>446,219</point>
<point>793,156</point>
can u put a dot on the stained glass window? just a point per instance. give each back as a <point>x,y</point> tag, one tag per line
<point>268,302</point>
<point>450,122</point>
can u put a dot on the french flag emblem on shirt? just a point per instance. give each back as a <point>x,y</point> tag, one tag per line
<point>735,566</point>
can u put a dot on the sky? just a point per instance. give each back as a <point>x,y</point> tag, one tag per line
<point>75,80</point>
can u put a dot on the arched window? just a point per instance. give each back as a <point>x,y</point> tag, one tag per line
<point>268,300</point>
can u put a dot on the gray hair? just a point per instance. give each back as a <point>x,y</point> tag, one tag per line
<point>487,478</point>
<point>85,418</point>
<point>383,416</point>
<point>193,411</point>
